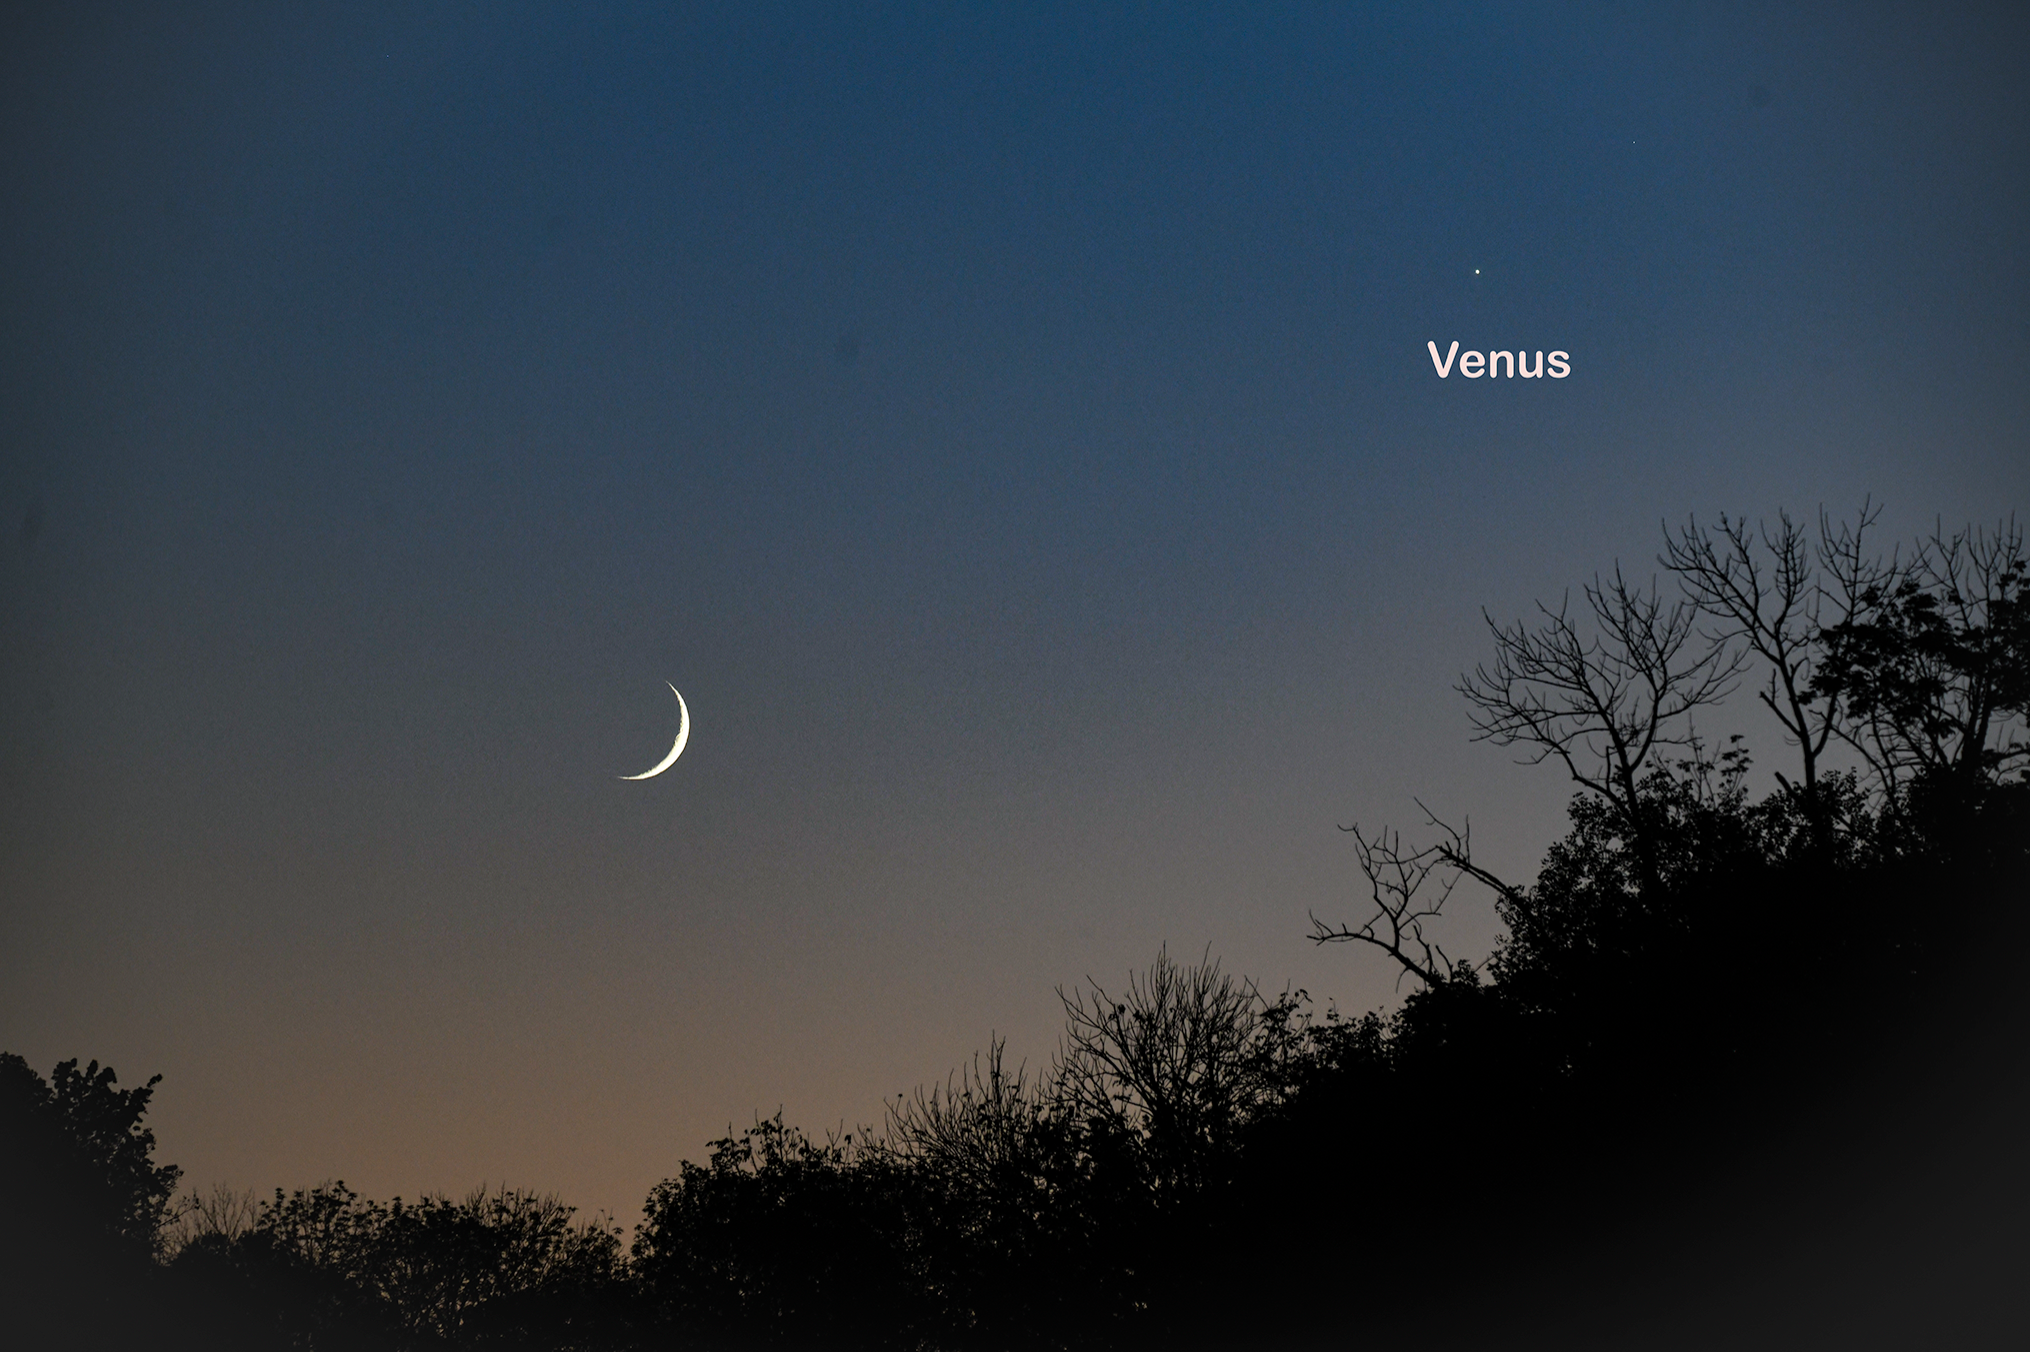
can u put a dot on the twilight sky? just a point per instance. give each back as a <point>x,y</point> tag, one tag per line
<point>1010,427</point>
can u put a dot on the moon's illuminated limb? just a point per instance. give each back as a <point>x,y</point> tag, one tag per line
<point>683,735</point>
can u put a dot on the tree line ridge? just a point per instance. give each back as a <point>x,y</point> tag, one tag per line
<point>1714,1023</point>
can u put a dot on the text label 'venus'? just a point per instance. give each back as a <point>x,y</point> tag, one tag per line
<point>1474,365</point>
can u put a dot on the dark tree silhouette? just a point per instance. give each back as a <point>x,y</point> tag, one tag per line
<point>1699,994</point>
<point>1178,1063</point>
<point>1397,880</point>
<point>1771,600</point>
<point>82,1203</point>
<point>782,1240</point>
<point>1932,658</point>
<point>1602,703</point>
<point>1694,973</point>
<point>324,1265</point>
<point>84,1136</point>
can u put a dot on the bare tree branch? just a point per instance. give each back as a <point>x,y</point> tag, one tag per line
<point>1601,703</point>
<point>1774,609</point>
<point>1396,880</point>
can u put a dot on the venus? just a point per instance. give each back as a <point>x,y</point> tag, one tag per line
<point>1474,365</point>
<point>683,735</point>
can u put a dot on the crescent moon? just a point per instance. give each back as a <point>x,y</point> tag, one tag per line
<point>683,735</point>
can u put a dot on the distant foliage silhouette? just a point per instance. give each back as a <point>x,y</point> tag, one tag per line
<point>323,1263</point>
